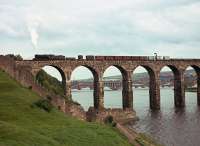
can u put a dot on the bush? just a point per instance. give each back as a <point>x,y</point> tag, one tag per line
<point>18,57</point>
<point>30,87</point>
<point>49,98</point>
<point>109,120</point>
<point>114,124</point>
<point>44,104</point>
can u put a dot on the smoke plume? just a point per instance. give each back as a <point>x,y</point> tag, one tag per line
<point>33,30</point>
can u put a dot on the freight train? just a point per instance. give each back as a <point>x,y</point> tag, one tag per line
<point>126,58</point>
<point>100,58</point>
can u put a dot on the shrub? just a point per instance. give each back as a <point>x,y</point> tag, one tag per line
<point>30,87</point>
<point>44,104</point>
<point>18,57</point>
<point>49,98</point>
<point>114,124</point>
<point>109,120</point>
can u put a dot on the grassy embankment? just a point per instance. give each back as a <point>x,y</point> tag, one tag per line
<point>21,124</point>
<point>24,125</point>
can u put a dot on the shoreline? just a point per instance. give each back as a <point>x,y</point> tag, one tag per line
<point>134,137</point>
<point>192,89</point>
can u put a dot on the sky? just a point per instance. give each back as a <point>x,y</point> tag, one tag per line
<point>100,27</point>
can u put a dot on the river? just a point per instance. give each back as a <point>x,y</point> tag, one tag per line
<point>170,126</point>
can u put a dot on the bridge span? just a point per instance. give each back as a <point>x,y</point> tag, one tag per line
<point>126,65</point>
<point>112,85</point>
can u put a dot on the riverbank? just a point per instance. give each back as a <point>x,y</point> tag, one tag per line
<point>192,89</point>
<point>135,138</point>
<point>23,122</point>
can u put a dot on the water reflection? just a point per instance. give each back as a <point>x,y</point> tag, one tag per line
<point>175,127</point>
<point>170,126</point>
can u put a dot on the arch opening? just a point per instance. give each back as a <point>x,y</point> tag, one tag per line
<point>53,79</point>
<point>191,84</point>
<point>167,81</point>
<point>82,86</point>
<point>113,82</point>
<point>179,93</point>
<point>153,84</point>
<point>140,83</point>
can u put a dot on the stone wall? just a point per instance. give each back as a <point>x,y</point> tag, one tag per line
<point>7,64</point>
<point>75,110</point>
<point>23,75</point>
<point>119,115</point>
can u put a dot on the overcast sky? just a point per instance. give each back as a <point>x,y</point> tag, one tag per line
<point>100,27</point>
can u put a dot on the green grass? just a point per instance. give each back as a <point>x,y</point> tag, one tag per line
<point>24,125</point>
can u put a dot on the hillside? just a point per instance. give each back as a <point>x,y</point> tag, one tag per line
<point>21,124</point>
<point>50,83</point>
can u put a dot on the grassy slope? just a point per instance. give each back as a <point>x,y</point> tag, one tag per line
<point>22,125</point>
<point>49,82</point>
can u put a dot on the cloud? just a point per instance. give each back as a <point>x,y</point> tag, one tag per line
<point>114,27</point>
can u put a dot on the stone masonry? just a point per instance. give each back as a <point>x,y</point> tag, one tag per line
<point>178,67</point>
<point>25,70</point>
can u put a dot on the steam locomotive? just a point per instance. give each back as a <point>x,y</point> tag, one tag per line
<point>52,57</point>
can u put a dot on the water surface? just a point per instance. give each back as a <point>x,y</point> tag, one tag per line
<point>170,126</point>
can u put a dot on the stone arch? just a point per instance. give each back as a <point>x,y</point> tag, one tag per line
<point>127,96</point>
<point>96,77</point>
<point>179,93</point>
<point>59,69</point>
<point>154,84</point>
<point>90,68</point>
<point>121,68</point>
<point>197,71</point>
<point>195,67</point>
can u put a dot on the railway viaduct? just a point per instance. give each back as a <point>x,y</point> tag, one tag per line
<point>113,85</point>
<point>126,67</point>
